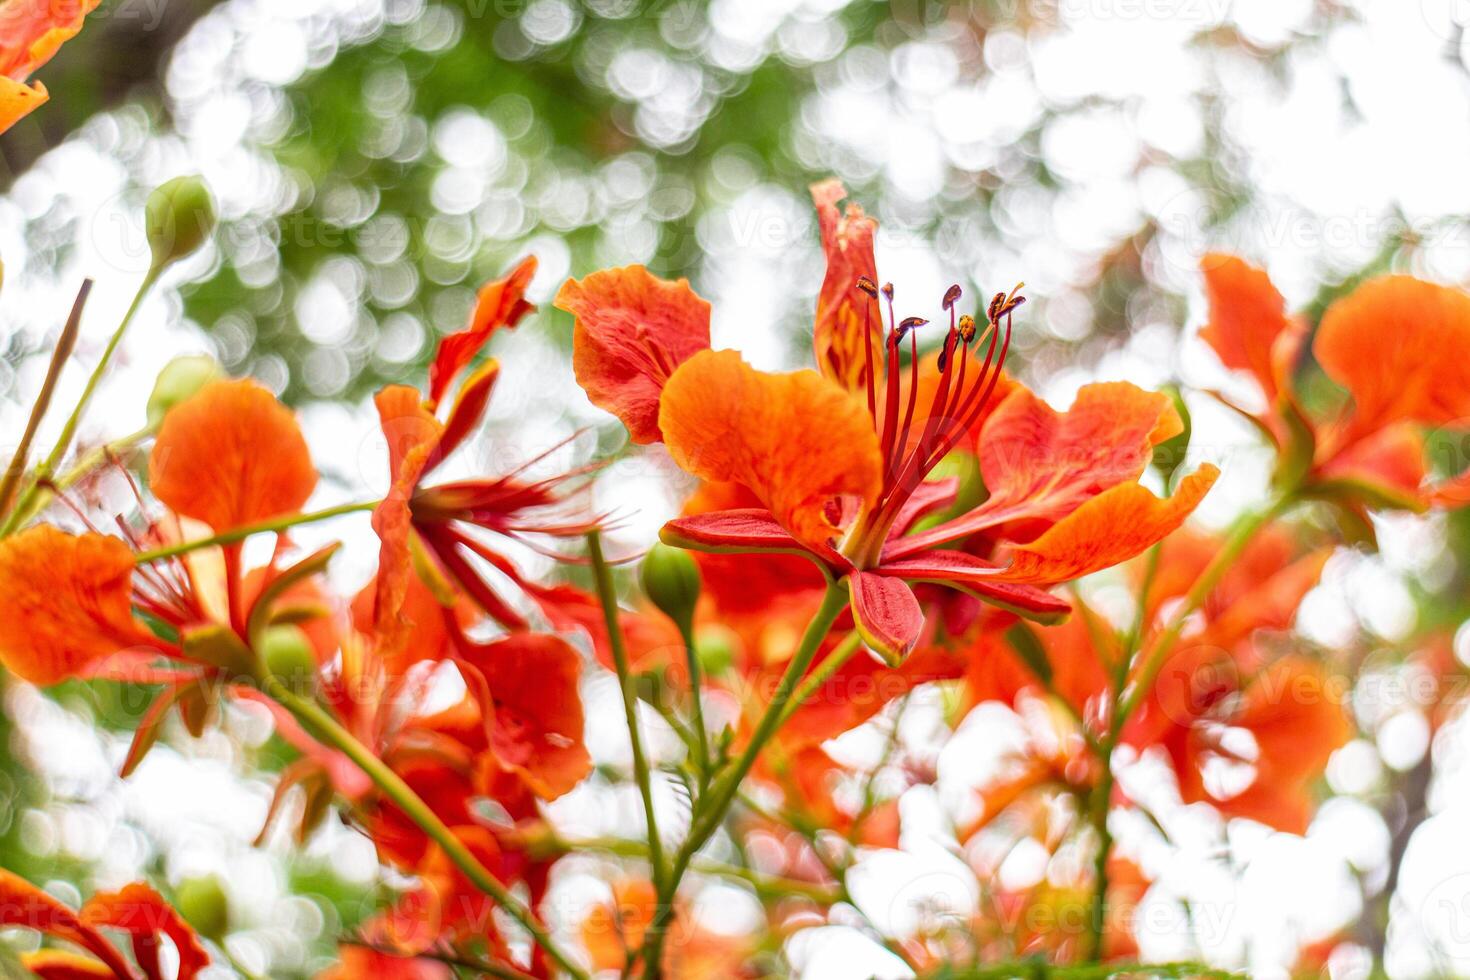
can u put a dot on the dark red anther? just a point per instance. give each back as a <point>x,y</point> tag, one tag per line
<point>952,296</point>
<point>888,291</point>
<point>868,286</point>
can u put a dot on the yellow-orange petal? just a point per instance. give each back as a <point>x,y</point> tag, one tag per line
<point>632,330</point>
<point>795,440</point>
<point>1394,343</point>
<point>68,602</point>
<point>1248,320</point>
<point>500,303</point>
<point>848,324</point>
<point>230,455</point>
<point>1106,530</point>
<point>17,100</point>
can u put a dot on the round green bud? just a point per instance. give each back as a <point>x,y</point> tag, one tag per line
<point>671,581</point>
<point>179,216</point>
<point>203,904</point>
<point>289,657</point>
<point>179,379</point>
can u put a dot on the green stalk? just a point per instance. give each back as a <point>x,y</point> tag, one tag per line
<point>1125,704</point>
<point>609,600</point>
<point>326,729</point>
<point>696,702</point>
<point>246,530</point>
<point>710,811</point>
<point>45,471</point>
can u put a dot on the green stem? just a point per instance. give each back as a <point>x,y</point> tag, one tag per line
<point>68,431</point>
<point>246,530</point>
<point>710,812</point>
<point>326,729</point>
<point>1125,704</point>
<point>696,700</point>
<point>609,600</point>
<point>824,671</point>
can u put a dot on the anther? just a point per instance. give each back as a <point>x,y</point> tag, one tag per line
<point>967,328</point>
<point>952,296</point>
<point>868,286</point>
<point>909,323</point>
<point>888,291</point>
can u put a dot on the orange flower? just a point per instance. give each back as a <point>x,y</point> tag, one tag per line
<point>231,455</point>
<point>429,527</point>
<point>615,928</point>
<point>839,461</point>
<point>137,909</point>
<point>30,33</point>
<point>1385,344</point>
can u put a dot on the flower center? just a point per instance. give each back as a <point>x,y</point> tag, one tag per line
<point>956,402</point>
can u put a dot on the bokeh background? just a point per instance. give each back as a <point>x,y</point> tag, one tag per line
<point>374,160</point>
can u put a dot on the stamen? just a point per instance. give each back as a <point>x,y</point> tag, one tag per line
<point>952,296</point>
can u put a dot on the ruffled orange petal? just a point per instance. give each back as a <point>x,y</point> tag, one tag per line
<point>848,324</point>
<point>1249,327</point>
<point>413,436</point>
<point>23,904</point>
<point>30,33</point>
<point>632,331</point>
<point>795,440</point>
<point>1384,467</point>
<point>231,455</point>
<point>1392,344</point>
<point>143,914</point>
<point>534,710</point>
<point>1040,465</point>
<point>68,602</point>
<point>1110,528</point>
<point>501,303</point>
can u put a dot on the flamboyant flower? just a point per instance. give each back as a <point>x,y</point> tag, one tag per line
<point>613,931</point>
<point>136,910</point>
<point>1385,343</point>
<point>431,530</point>
<point>228,456</point>
<point>841,461</point>
<point>30,33</point>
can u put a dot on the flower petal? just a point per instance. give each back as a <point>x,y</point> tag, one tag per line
<point>978,577</point>
<point>742,531</point>
<point>501,303</point>
<point>848,322</point>
<point>632,331</point>
<point>795,440</point>
<point>23,904</point>
<point>231,455</point>
<point>142,913</point>
<point>1041,465</point>
<point>886,613</point>
<point>68,602</point>
<point>1387,343</point>
<point>1248,320</point>
<point>30,33</point>
<point>1110,528</point>
<point>534,712</point>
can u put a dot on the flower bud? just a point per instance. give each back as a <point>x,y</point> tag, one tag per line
<point>671,581</point>
<point>179,216</point>
<point>288,656</point>
<point>179,379</point>
<point>203,904</point>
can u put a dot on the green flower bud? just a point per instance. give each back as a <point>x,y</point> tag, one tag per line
<point>671,581</point>
<point>179,217</point>
<point>179,379</point>
<point>203,904</point>
<point>289,658</point>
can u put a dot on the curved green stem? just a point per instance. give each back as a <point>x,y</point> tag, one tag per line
<point>710,812</point>
<point>246,530</point>
<point>609,600</point>
<point>327,730</point>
